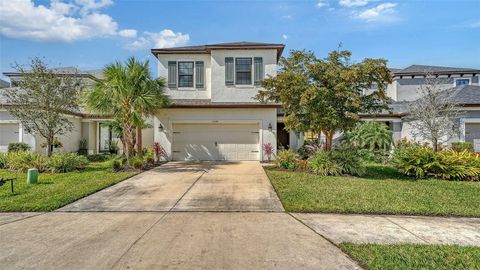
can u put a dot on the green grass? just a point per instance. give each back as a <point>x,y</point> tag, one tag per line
<point>56,190</point>
<point>381,191</point>
<point>411,256</point>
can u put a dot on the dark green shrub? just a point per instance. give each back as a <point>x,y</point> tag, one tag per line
<point>286,159</point>
<point>99,157</point>
<point>460,146</point>
<point>308,150</point>
<point>22,161</point>
<point>348,160</point>
<point>66,162</point>
<point>376,156</point>
<point>370,135</point>
<point>336,162</point>
<point>19,146</point>
<point>83,147</point>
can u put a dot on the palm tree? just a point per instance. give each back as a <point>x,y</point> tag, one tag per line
<point>376,135</point>
<point>127,93</point>
<point>149,96</point>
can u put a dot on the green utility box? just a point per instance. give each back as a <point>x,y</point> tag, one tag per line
<point>32,176</point>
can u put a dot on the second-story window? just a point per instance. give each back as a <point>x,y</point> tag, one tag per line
<point>185,74</point>
<point>243,70</point>
<point>459,82</point>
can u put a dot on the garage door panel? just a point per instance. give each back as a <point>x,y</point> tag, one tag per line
<point>216,142</point>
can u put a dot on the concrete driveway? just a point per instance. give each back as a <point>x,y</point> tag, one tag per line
<point>184,186</point>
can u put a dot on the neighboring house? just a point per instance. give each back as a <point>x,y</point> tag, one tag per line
<point>463,83</point>
<point>4,84</point>
<point>214,115</point>
<point>86,126</point>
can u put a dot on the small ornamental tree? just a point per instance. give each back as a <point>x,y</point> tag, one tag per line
<point>326,95</point>
<point>42,100</point>
<point>433,116</point>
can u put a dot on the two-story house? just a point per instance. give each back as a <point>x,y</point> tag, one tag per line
<point>214,115</point>
<point>463,85</point>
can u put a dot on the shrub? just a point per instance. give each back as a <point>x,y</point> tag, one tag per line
<point>23,160</point>
<point>348,160</point>
<point>421,161</point>
<point>460,146</point>
<point>371,135</point>
<point>149,154</point>
<point>321,164</point>
<point>99,157</point>
<point>286,159</point>
<point>117,165</point>
<point>136,162</point>
<point>83,147</point>
<point>307,150</point>
<point>268,150</point>
<point>19,146</point>
<point>454,165</point>
<point>336,162</point>
<point>66,162</point>
<point>3,160</point>
<point>377,156</point>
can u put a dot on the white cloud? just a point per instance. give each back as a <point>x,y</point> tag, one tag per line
<point>382,12</point>
<point>284,36</point>
<point>322,3</point>
<point>128,33</point>
<point>163,39</point>
<point>60,21</point>
<point>475,24</point>
<point>353,3</point>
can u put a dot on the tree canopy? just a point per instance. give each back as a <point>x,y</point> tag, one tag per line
<point>129,94</point>
<point>326,95</point>
<point>42,100</point>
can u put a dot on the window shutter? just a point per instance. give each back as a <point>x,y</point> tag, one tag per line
<point>229,71</point>
<point>258,70</point>
<point>199,74</point>
<point>172,74</point>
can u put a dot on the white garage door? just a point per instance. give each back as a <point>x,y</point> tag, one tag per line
<point>8,134</point>
<point>216,142</point>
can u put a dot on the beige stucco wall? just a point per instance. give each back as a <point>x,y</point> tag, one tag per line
<point>167,117</point>
<point>194,93</point>
<point>238,93</point>
<point>215,88</point>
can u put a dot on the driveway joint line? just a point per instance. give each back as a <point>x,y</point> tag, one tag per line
<point>157,221</point>
<point>414,234</point>
<point>327,239</point>
<point>20,219</point>
<point>138,239</point>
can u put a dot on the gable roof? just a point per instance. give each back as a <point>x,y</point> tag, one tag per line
<point>221,46</point>
<point>422,69</point>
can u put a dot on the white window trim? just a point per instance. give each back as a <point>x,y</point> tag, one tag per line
<point>461,78</point>
<point>194,75</point>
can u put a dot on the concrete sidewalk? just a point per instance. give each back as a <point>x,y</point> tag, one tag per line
<point>385,229</point>
<point>166,240</point>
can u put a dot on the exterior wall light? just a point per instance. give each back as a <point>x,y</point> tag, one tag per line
<point>270,127</point>
<point>160,127</point>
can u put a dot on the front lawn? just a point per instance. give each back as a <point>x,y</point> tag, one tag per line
<point>56,190</point>
<point>381,191</point>
<point>413,256</point>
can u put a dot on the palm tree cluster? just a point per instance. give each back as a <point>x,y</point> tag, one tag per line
<point>128,94</point>
<point>371,135</point>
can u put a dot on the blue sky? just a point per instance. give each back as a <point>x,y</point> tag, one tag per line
<point>89,34</point>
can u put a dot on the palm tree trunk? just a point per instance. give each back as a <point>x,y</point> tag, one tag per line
<point>139,139</point>
<point>127,136</point>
